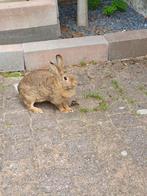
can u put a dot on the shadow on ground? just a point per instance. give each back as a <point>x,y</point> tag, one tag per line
<point>100,149</point>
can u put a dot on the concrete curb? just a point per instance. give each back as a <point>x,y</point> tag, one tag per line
<point>111,46</point>
<point>38,54</point>
<point>127,44</point>
<point>11,57</point>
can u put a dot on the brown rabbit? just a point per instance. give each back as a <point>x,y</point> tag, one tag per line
<point>53,85</point>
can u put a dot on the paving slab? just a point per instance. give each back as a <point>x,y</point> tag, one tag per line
<point>92,152</point>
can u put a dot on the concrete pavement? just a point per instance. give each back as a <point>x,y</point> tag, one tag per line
<point>99,150</point>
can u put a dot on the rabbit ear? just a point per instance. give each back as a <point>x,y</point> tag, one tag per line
<point>60,64</point>
<point>52,63</point>
<point>53,68</point>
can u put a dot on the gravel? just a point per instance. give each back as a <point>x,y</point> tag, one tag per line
<point>99,23</point>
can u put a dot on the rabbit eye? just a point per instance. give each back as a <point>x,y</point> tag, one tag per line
<point>65,78</point>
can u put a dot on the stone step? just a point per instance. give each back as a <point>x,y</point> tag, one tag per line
<point>28,21</point>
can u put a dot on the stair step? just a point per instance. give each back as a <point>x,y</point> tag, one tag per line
<point>28,21</point>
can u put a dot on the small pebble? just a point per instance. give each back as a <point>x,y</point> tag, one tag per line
<point>121,108</point>
<point>15,86</point>
<point>142,111</point>
<point>124,153</point>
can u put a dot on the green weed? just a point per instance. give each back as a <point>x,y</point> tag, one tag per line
<point>117,87</point>
<point>82,63</point>
<point>130,100</point>
<point>120,5</point>
<point>109,10</point>
<point>103,106</point>
<point>93,4</point>
<point>121,92</point>
<point>93,62</point>
<point>94,95</point>
<point>117,5</point>
<point>143,89</point>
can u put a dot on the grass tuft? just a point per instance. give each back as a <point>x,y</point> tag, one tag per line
<point>102,106</point>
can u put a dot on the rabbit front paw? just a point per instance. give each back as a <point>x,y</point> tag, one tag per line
<point>65,108</point>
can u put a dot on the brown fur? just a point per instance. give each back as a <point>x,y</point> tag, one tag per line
<point>52,85</point>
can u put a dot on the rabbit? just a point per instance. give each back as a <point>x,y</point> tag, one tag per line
<point>53,85</point>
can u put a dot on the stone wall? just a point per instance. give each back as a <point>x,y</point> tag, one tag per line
<point>139,5</point>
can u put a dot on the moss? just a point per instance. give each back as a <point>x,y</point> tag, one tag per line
<point>2,88</point>
<point>8,125</point>
<point>11,74</point>
<point>141,88</point>
<point>84,110</point>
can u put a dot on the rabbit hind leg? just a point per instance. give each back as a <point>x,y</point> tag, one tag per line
<point>35,109</point>
<point>31,107</point>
